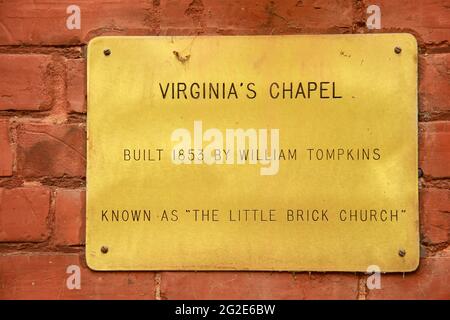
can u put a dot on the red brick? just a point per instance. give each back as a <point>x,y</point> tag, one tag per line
<point>434,85</point>
<point>430,281</point>
<point>257,285</point>
<point>70,217</point>
<point>51,150</point>
<point>435,215</point>
<point>430,19</point>
<point>434,148</point>
<point>24,82</point>
<point>44,276</point>
<point>76,85</point>
<point>6,157</point>
<point>251,16</point>
<point>44,22</point>
<point>23,214</point>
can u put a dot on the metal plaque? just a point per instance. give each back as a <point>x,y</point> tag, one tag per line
<point>253,153</point>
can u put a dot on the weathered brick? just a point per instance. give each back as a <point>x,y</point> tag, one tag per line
<point>430,281</point>
<point>435,215</point>
<point>76,85</point>
<point>250,16</point>
<point>23,214</point>
<point>430,19</point>
<point>6,156</point>
<point>25,82</point>
<point>44,22</point>
<point>70,217</point>
<point>434,148</point>
<point>434,84</point>
<point>44,276</point>
<point>257,285</point>
<point>51,150</point>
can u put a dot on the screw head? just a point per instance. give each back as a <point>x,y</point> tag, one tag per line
<point>401,252</point>
<point>420,173</point>
<point>107,52</point>
<point>398,50</point>
<point>104,249</point>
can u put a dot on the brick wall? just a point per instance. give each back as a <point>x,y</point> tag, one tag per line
<point>43,132</point>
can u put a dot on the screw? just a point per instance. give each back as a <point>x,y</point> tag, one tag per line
<point>420,173</point>
<point>106,52</point>
<point>398,50</point>
<point>401,252</point>
<point>104,249</point>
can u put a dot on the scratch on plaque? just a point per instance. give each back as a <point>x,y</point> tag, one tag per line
<point>183,59</point>
<point>345,54</point>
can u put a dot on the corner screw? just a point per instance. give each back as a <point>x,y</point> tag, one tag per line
<point>398,50</point>
<point>401,253</point>
<point>104,249</point>
<point>106,52</point>
<point>420,173</point>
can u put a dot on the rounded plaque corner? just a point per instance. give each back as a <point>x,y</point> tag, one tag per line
<point>92,262</point>
<point>411,40</point>
<point>95,41</point>
<point>414,265</point>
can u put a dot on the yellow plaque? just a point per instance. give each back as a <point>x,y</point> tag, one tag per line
<point>253,153</point>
